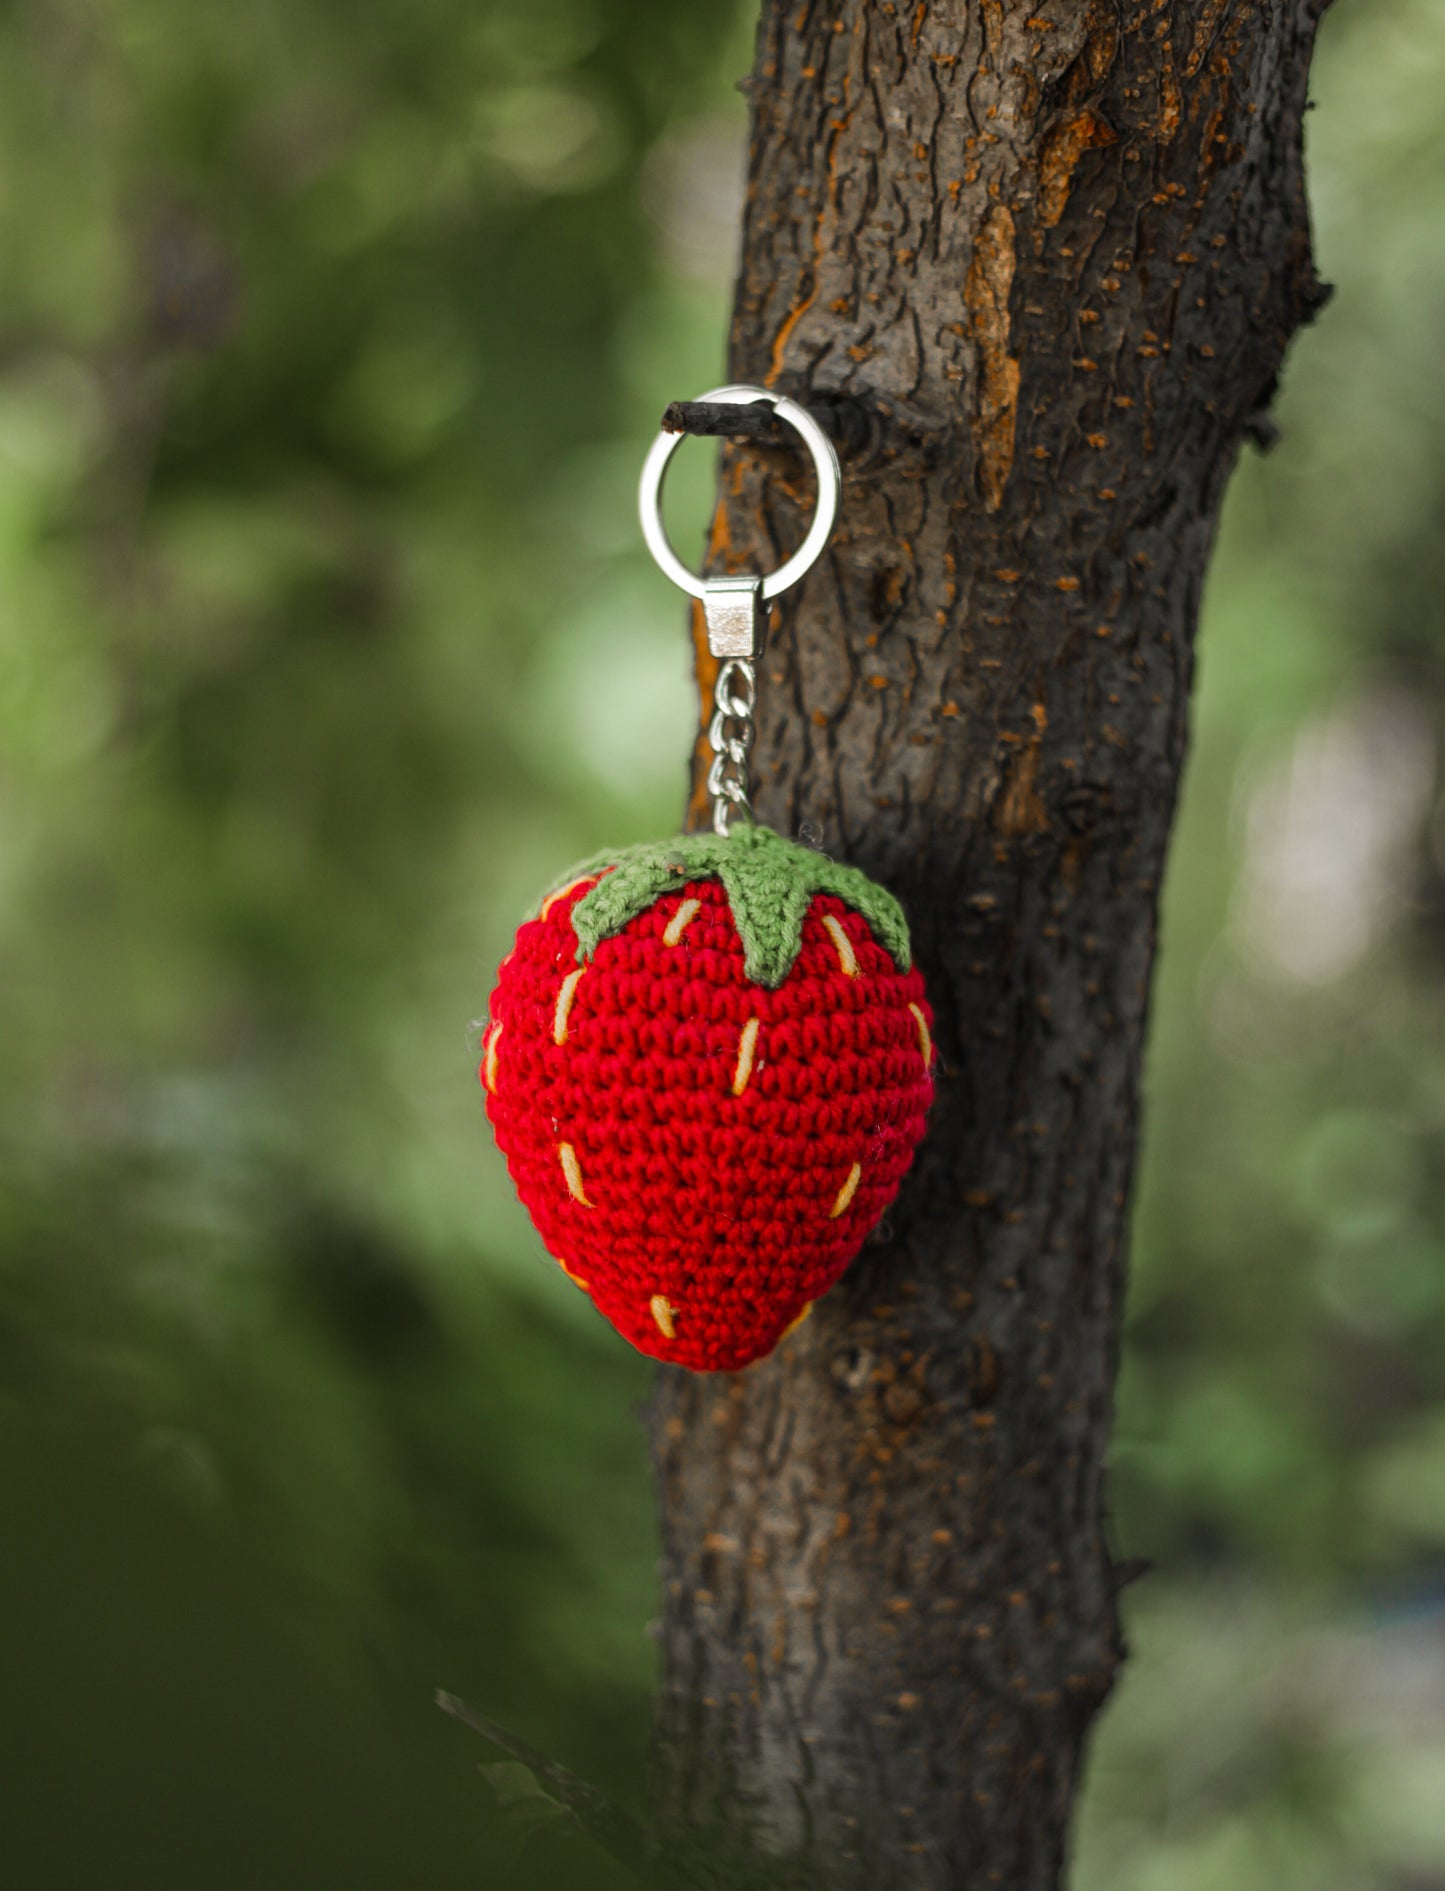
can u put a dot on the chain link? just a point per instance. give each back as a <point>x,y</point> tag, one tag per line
<point>730,735</point>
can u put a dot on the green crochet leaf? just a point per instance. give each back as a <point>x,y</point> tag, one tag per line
<point>770,884</point>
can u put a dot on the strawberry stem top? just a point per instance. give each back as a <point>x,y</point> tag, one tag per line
<point>770,883</point>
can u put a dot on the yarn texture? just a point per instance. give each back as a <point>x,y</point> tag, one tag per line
<point>708,1065</point>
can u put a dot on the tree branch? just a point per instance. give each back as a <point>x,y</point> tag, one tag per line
<point>849,424</point>
<point>607,1825</point>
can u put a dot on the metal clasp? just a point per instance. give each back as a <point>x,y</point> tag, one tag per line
<point>736,621</point>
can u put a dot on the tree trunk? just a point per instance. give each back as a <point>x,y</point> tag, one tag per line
<point>1046,260</point>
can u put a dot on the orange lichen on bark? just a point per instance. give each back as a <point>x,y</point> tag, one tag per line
<point>1101,41</point>
<point>807,293</point>
<point>1204,30</point>
<point>1021,810</point>
<point>1171,105</point>
<point>991,12</point>
<point>1063,148</point>
<point>791,320</point>
<point>986,294</point>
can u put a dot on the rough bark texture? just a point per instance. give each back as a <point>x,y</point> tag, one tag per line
<point>1051,256</point>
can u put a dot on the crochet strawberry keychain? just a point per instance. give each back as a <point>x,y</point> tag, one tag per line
<point>708,1059</point>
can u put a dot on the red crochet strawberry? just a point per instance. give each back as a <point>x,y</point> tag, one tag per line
<point>708,1066</point>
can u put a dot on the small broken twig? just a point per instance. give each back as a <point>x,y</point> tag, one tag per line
<point>846,422</point>
<point>711,420</point>
<point>605,1824</point>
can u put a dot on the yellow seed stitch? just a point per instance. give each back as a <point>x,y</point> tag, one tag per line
<point>925,1042</point>
<point>680,921</point>
<point>576,1279</point>
<point>847,957</point>
<point>747,1047</point>
<point>489,1062</point>
<point>572,1171</point>
<point>795,1323</point>
<point>564,1005</point>
<point>561,894</point>
<point>665,1314</point>
<point>847,1192</point>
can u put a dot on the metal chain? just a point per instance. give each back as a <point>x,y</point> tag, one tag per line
<point>730,735</point>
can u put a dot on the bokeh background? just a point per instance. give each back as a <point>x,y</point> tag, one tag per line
<point>331,334</point>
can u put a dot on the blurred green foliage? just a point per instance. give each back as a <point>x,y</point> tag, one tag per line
<point>330,341</point>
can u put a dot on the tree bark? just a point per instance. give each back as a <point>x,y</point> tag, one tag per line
<point>1049,257</point>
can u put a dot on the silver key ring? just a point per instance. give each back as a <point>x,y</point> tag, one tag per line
<point>825,463</point>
